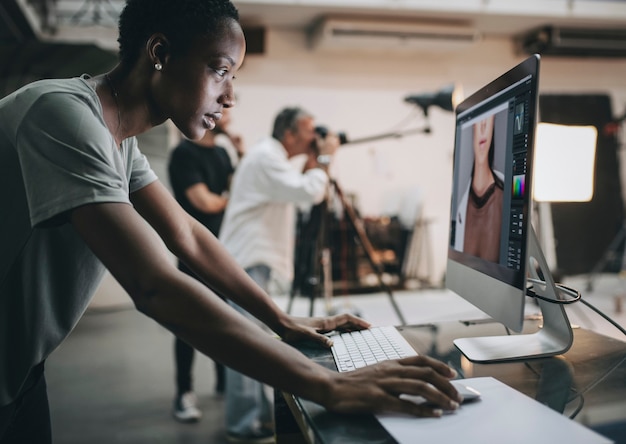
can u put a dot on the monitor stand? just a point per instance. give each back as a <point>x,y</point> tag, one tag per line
<point>554,338</point>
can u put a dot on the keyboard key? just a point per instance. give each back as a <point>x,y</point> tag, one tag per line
<point>352,350</point>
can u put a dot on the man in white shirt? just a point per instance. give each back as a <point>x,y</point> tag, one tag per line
<point>259,230</point>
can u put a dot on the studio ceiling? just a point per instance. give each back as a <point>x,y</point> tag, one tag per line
<point>42,38</point>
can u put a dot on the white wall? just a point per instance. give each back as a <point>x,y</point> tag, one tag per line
<point>362,94</point>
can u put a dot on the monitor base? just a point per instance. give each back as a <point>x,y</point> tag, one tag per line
<point>554,338</point>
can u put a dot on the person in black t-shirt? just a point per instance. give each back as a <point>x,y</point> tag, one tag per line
<point>200,173</point>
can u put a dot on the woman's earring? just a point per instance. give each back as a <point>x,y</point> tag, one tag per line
<point>158,66</point>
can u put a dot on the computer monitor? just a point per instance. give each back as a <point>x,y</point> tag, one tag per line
<point>493,253</point>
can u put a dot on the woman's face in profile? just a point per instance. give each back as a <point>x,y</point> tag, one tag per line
<point>483,133</point>
<point>197,86</point>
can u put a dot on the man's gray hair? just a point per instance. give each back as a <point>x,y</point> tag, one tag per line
<point>288,119</point>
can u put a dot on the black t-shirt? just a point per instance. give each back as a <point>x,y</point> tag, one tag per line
<point>191,164</point>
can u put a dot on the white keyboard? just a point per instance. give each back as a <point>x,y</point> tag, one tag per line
<point>357,349</point>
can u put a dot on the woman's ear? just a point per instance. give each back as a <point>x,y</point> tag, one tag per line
<point>159,50</point>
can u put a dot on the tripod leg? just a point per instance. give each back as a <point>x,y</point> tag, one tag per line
<point>310,235</point>
<point>311,306</point>
<point>357,225</point>
<point>327,278</point>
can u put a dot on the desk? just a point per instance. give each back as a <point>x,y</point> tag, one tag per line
<point>588,383</point>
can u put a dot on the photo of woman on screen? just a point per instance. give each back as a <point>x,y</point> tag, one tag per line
<point>479,213</point>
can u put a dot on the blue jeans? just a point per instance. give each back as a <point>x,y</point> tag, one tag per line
<point>249,403</point>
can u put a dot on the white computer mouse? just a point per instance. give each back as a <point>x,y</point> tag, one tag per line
<point>468,393</point>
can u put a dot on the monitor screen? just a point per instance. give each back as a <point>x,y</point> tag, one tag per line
<point>490,209</point>
<point>490,216</point>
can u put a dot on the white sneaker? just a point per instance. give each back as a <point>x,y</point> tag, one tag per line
<point>185,409</point>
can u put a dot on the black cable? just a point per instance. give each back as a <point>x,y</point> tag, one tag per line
<point>576,297</point>
<point>605,317</point>
<point>574,393</point>
<point>575,294</point>
<point>580,405</point>
<point>593,384</point>
<point>580,394</point>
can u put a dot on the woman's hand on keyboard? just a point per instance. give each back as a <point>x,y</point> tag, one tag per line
<point>377,388</point>
<point>313,329</point>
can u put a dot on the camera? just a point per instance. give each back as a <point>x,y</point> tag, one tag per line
<point>322,131</point>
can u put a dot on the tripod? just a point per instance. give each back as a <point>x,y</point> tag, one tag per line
<point>313,259</point>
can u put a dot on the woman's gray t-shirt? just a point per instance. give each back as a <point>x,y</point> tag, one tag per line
<point>56,154</point>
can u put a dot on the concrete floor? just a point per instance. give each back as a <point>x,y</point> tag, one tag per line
<point>112,380</point>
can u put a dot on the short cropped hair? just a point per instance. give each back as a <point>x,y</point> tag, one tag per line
<point>181,21</point>
<point>288,119</point>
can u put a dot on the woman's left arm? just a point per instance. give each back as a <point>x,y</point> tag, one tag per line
<point>201,251</point>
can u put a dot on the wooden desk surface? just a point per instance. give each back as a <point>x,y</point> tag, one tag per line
<point>588,383</point>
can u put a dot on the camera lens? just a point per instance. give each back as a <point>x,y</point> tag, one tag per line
<point>322,131</point>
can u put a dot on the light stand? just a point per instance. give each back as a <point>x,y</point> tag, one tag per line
<point>447,98</point>
<point>611,253</point>
<point>391,135</point>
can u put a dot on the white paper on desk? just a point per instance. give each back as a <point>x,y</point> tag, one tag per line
<point>502,415</point>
